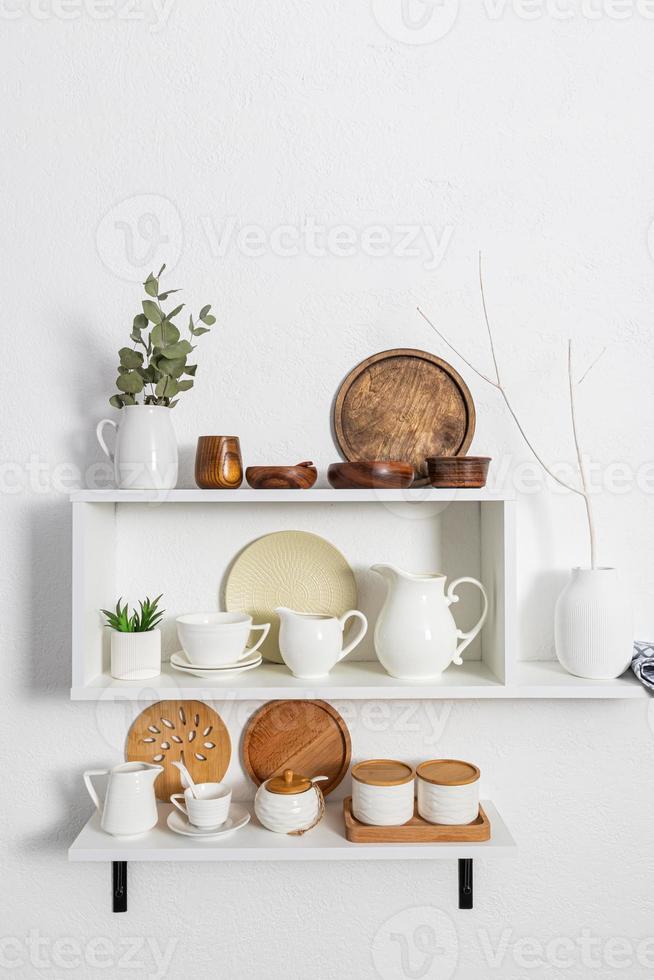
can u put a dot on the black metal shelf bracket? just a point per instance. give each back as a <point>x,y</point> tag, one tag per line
<point>465,883</point>
<point>119,885</point>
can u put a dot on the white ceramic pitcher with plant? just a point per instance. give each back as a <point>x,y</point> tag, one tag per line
<point>416,637</point>
<point>155,369</point>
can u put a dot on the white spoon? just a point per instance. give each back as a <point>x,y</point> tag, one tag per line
<point>188,778</point>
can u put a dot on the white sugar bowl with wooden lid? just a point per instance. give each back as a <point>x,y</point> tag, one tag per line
<point>382,792</point>
<point>448,791</point>
<point>290,803</point>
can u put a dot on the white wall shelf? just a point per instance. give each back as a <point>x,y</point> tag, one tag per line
<point>326,842</point>
<point>182,542</point>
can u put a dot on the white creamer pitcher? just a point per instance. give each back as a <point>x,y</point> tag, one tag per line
<point>416,637</point>
<point>145,451</point>
<point>129,807</point>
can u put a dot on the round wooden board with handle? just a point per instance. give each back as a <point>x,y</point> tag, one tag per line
<point>403,404</point>
<point>189,731</point>
<point>309,737</point>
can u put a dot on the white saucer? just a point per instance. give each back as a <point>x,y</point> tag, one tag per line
<point>178,661</point>
<point>179,824</point>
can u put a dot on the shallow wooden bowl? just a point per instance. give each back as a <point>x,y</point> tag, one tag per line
<point>458,472</point>
<point>302,476</point>
<point>377,474</point>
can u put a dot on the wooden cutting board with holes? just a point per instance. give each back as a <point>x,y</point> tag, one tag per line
<point>189,731</point>
<point>309,737</point>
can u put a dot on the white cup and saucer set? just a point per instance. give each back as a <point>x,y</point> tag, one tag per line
<point>205,811</point>
<point>214,644</point>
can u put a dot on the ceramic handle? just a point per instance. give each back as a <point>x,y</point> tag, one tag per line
<point>91,788</point>
<point>266,630</point>
<point>174,800</point>
<point>350,614</point>
<point>98,431</point>
<point>467,638</point>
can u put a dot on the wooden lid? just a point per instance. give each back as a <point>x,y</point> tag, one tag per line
<point>448,772</point>
<point>289,782</point>
<point>382,772</point>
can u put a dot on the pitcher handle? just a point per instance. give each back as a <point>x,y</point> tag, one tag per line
<point>91,788</point>
<point>98,431</point>
<point>353,614</point>
<point>467,638</point>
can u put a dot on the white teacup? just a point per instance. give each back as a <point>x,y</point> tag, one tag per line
<point>210,810</point>
<point>311,644</point>
<point>214,639</point>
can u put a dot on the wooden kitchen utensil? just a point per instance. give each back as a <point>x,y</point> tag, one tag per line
<point>416,831</point>
<point>289,568</point>
<point>381,474</point>
<point>189,731</point>
<point>218,464</point>
<point>460,472</point>
<point>403,404</point>
<point>302,476</point>
<point>309,737</point>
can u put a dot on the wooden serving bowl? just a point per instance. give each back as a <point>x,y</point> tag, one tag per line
<point>458,472</point>
<point>371,474</point>
<point>302,476</point>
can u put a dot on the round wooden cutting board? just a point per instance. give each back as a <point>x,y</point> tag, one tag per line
<point>403,404</point>
<point>172,730</point>
<point>309,737</point>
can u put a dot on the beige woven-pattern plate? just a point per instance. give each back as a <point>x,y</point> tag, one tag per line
<point>289,568</point>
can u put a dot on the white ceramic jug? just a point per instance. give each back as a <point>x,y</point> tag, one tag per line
<point>129,806</point>
<point>145,453</point>
<point>416,637</point>
<point>310,644</point>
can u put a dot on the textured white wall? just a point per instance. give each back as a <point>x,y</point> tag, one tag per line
<point>136,133</point>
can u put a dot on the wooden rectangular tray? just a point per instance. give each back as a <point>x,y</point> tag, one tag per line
<point>416,831</point>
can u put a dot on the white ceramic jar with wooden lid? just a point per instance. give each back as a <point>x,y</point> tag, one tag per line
<point>448,791</point>
<point>382,792</point>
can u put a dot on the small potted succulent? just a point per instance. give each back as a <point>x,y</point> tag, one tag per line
<point>135,640</point>
<point>152,373</point>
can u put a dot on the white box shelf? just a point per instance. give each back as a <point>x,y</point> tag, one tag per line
<point>182,543</point>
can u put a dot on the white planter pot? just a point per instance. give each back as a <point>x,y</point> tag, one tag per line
<point>145,453</point>
<point>593,625</point>
<point>135,656</point>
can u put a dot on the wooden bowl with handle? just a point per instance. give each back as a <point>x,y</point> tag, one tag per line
<point>458,472</point>
<point>371,474</point>
<point>302,476</point>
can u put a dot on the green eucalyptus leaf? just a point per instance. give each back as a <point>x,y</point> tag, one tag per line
<point>151,285</point>
<point>164,334</point>
<point>204,311</point>
<point>198,331</point>
<point>116,401</point>
<point>152,311</point>
<point>166,387</point>
<point>149,373</point>
<point>130,358</point>
<point>209,319</point>
<point>185,385</point>
<point>161,270</point>
<point>121,369</point>
<point>164,296</point>
<point>173,403</point>
<point>173,368</point>
<point>129,400</point>
<point>191,369</point>
<point>140,322</point>
<point>174,351</point>
<point>131,383</point>
<point>178,309</point>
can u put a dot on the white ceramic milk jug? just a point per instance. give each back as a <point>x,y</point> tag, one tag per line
<point>129,806</point>
<point>416,637</point>
<point>145,453</point>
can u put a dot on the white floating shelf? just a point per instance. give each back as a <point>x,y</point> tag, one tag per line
<point>364,680</point>
<point>326,842</point>
<point>324,496</point>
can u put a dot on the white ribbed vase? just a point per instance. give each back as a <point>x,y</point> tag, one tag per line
<point>135,656</point>
<point>593,625</point>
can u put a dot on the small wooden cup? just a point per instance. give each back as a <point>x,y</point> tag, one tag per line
<point>218,463</point>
